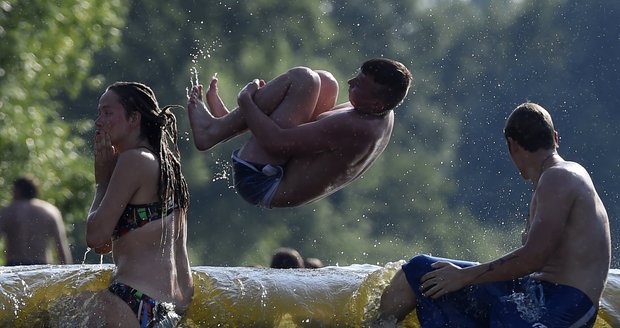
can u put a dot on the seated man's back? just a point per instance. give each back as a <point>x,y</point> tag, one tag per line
<point>582,258</point>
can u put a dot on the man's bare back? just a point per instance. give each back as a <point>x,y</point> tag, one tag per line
<point>349,156</point>
<point>582,257</point>
<point>30,227</point>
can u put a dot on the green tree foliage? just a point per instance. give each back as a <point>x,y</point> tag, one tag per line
<point>366,222</point>
<point>445,184</point>
<point>46,53</point>
<point>563,55</point>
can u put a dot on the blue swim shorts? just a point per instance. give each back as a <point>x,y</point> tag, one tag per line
<point>523,302</point>
<point>256,183</point>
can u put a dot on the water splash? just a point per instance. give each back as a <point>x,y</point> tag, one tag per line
<point>200,52</point>
<point>54,295</point>
<point>222,170</point>
<point>531,304</point>
<point>528,310</point>
<point>186,136</point>
<point>88,249</point>
<point>193,80</point>
<point>85,254</point>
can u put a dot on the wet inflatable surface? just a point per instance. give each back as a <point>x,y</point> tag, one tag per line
<point>58,296</point>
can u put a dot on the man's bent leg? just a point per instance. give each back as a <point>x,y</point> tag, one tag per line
<point>294,99</point>
<point>290,107</point>
<point>292,89</point>
<point>328,94</point>
<point>207,130</point>
<point>397,300</point>
<point>214,102</point>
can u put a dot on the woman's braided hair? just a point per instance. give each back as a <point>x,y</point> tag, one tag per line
<point>159,127</point>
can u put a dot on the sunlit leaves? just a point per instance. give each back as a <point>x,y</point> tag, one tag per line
<point>46,53</point>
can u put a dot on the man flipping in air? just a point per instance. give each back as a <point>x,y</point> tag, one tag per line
<point>303,146</point>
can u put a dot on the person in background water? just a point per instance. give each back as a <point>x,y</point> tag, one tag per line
<point>30,226</point>
<point>286,258</point>
<point>289,258</point>
<point>303,146</point>
<point>139,211</point>
<point>555,279</point>
<point>312,263</point>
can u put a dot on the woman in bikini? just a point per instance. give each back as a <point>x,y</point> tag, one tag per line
<point>140,210</point>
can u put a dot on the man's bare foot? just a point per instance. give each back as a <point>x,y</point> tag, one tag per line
<point>201,121</point>
<point>215,103</point>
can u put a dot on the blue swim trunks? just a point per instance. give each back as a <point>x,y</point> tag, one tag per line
<point>523,302</point>
<point>256,183</point>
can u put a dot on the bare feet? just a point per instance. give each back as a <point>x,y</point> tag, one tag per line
<point>215,103</point>
<point>200,120</point>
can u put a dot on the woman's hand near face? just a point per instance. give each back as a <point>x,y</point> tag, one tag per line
<point>104,249</point>
<point>105,157</point>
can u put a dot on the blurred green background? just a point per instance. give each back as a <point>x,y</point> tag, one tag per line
<point>445,184</point>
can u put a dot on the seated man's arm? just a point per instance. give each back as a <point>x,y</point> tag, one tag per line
<point>552,203</point>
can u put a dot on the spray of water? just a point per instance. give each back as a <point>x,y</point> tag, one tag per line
<point>204,53</point>
<point>200,52</point>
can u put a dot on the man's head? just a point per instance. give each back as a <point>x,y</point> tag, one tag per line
<point>286,258</point>
<point>25,188</point>
<point>312,263</point>
<point>391,81</point>
<point>139,100</point>
<point>531,127</point>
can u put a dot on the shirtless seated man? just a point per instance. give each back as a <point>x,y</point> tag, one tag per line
<point>303,147</point>
<point>554,280</point>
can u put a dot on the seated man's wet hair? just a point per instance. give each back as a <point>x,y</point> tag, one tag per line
<point>531,127</point>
